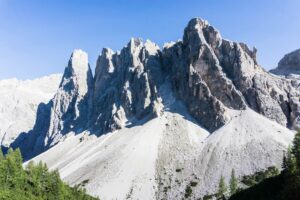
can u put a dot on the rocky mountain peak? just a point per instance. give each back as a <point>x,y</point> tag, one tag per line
<point>220,74</point>
<point>104,68</point>
<point>151,48</point>
<point>67,112</point>
<point>70,108</point>
<point>78,73</point>
<point>291,60</point>
<point>134,44</point>
<point>197,23</point>
<point>289,64</point>
<point>128,92</point>
<point>78,60</point>
<point>186,113</point>
<point>201,31</point>
<point>208,75</point>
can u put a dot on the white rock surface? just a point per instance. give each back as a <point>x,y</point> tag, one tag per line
<point>140,162</point>
<point>19,102</point>
<point>248,143</point>
<point>124,160</point>
<point>70,108</point>
<point>157,159</point>
<point>148,107</point>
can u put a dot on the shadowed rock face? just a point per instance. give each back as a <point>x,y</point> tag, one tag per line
<point>290,61</point>
<point>289,64</point>
<point>289,68</point>
<point>67,112</point>
<point>266,94</point>
<point>198,78</point>
<point>70,110</point>
<point>225,74</point>
<point>210,75</point>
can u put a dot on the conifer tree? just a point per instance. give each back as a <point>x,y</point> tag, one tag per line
<point>1,154</point>
<point>291,162</point>
<point>284,162</point>
<point>18,157</point>
<point>2,168</point>
<point>14,168</point>
<point>233,183</point>
<point>222,188</point>
<point>35,182</point>
<point>296,148</point>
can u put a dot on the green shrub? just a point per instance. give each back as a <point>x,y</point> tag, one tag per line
<point>188,191</point>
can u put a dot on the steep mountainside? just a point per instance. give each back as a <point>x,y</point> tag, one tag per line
<point>223,74</point>
<point>289,64</point>
<point>160,158</point>
<point>126,85</point>
<point>151,122</point>
<point>67,112</point>
<point>289,69</point>
<point>19,103</point>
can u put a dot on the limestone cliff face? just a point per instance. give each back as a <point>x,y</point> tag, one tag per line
<point>19,103</point>
<point>208,74</point>
<point>198,77</point>
<point>230,77</point>
<point>67,112</point>
<point>289,71</point>
<point>70,109</point>
<point>289,64</point>
<point>126,84</point>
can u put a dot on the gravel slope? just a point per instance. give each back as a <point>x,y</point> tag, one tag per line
<point>161,157</point>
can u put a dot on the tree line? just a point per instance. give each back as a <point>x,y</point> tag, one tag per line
<point>34,182</point>
<point>285,186</point>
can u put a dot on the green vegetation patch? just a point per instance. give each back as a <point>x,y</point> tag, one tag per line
<point>35,182</point>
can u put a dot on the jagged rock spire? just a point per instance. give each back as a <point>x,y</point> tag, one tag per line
<point>125,88</point>
<point>209,74</point>
<point>222,74</point>
<point>70,110</point>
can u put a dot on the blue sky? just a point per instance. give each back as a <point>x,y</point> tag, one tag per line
<point>38,36</point>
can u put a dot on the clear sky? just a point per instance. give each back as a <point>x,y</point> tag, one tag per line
<point>38,36</point>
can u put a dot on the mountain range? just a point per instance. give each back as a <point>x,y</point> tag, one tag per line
<point>152,122</point>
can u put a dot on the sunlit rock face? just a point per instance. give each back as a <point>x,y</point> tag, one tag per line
<point>70,109</point>
<point>126,84</point>
<point>209,75</point>
<point>19,103</point>
<point>289,70</point>
<point>198,77</point>
<point>67,112</point>
<point>223,74</point>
